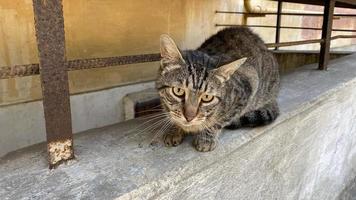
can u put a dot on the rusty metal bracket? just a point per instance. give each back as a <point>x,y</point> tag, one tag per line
<point>49,25</point>
<point>326,34</point>
<point>278,22</point>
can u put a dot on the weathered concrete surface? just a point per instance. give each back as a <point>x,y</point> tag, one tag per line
<point>308,153</point>
<point>291,59</point>
<point>23,125</point>
<point>349,192</point>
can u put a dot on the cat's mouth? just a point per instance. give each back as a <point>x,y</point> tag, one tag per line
<point>189,126</point>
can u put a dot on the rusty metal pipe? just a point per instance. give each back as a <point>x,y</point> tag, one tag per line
<point>284,13</point>
<point>286,27</point>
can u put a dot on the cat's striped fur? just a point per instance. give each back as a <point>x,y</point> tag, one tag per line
<point>234,69</point>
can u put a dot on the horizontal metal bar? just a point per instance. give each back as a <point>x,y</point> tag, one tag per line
<point>19,71</point>
<point>294,43</point>
<point>339,3</point>
<point>342,36</point>
<point>284,13</point>
<point>111,61</point>
<point>33,69</point>
<point>285,27</point>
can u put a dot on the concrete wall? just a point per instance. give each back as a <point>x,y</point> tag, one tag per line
<point>121,27</point>
<point>23,124</point>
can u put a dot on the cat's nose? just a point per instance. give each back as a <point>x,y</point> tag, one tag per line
<point>189,118</point>
<point>190,113</point>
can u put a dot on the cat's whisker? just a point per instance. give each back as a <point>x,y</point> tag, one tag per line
<point>153,114</point>
<point>206,128</point>
<point>152,126</point>
<point>150,116</point>
<point>156,106</point>
<point>150,120</point>
<point>150,110</point>
<point>164,128</point>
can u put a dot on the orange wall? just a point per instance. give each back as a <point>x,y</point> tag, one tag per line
<point>103,28</point>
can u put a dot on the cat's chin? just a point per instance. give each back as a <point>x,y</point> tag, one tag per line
<point>194,126</point>
<point>191,128</point>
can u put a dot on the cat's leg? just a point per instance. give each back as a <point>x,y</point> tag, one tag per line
<point>206,140</point>
<point>235,124</point>
<point>174,137</point>
<point>263,116</point>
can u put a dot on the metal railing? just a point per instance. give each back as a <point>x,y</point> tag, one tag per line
<point>325,40</point>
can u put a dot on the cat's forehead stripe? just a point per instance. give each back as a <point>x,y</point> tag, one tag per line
<point>197,76</point>
<point>203,77</point>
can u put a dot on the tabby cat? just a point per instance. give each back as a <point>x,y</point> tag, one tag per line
<point>231,80</point>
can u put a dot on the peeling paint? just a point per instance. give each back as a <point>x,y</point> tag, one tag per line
<point>60,151</point>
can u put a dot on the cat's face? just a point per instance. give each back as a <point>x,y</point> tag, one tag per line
<point>190,90</point>
<point>191,108</point>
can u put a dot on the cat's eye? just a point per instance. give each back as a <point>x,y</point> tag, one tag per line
<point>207,98</point>
<point>179,92</point>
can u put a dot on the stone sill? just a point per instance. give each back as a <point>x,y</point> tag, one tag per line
<point>117,162</point>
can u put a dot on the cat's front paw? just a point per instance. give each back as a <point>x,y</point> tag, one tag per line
<point>173,139</point>
<point>204,144</point>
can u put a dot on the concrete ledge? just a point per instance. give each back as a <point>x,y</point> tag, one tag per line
<point>23,125</point>
<point>308,153</point>
<point>291,59</point>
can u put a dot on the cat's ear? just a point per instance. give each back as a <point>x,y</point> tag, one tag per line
<point>224,72</point>
<point>169,50</point>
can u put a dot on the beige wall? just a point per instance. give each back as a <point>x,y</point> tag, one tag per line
<point>102,28</point>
